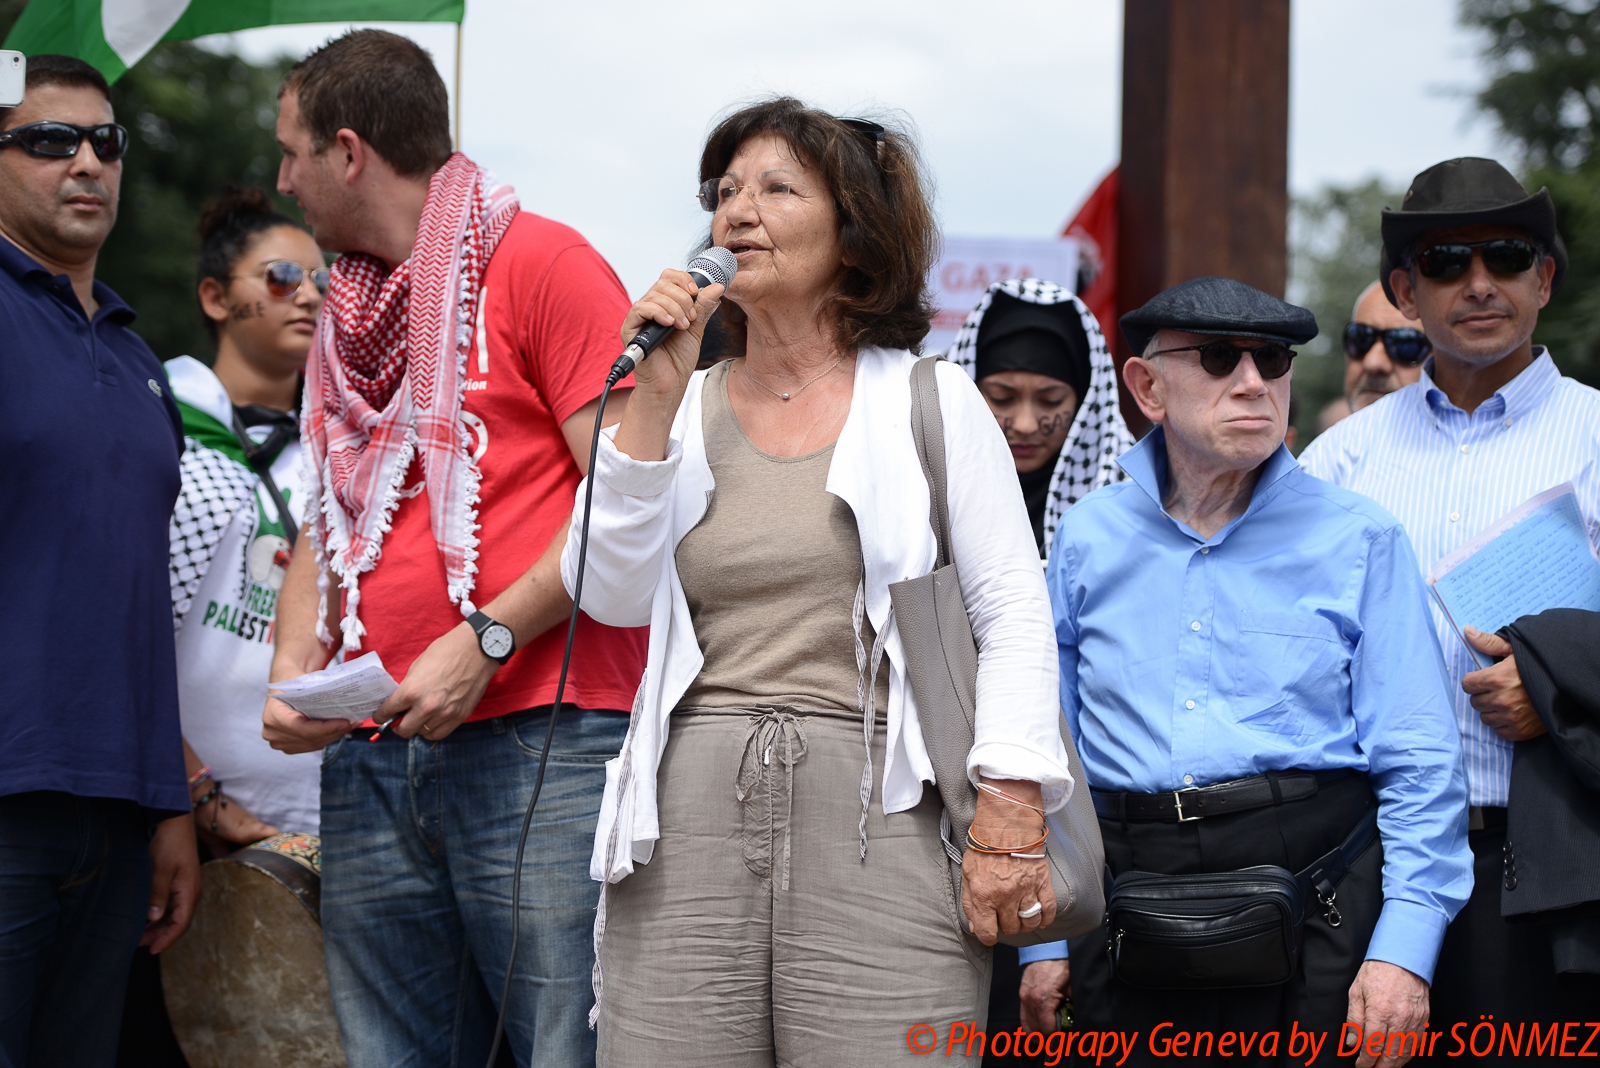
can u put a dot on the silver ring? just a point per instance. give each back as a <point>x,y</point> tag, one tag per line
<point>1031,911</point>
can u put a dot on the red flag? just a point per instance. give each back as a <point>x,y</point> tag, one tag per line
<point>1095,227</point>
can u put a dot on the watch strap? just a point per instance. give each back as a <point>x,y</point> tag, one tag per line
<point>480,621</point>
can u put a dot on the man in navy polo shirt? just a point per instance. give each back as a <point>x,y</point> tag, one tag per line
<point>97,845</point>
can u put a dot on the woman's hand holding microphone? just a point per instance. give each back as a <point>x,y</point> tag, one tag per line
<point>659,381</point>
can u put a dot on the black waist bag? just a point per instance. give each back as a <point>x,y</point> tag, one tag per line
<point>1222,929</point>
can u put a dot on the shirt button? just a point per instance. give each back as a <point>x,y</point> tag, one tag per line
<point>1188,704</point>
<point>1205,550</point>
<point>1188,780</point>
<point>1466,448</point>
<point>154,386</point>
<point>1195,625</point>
<point>1509,421</point>
<point>1455,517</point>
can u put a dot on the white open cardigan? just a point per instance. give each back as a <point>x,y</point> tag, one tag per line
<point>643,509</point>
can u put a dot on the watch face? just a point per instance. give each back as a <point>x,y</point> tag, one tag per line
<point>496,640</point>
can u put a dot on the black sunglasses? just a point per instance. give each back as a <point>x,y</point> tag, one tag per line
<point>1505,256</point>
<point>1404,345</point>
<point>872,131</point>
<point>1219,358</point>
<point>60,140</point>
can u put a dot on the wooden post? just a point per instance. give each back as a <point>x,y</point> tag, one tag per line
<point>1205,149</point>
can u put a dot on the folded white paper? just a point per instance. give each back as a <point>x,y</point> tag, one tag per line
<point>352,690</point>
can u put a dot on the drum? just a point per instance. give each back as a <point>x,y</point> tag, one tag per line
<point>247,986</point>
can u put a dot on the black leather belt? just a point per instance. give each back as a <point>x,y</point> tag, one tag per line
<point>1218,799</point>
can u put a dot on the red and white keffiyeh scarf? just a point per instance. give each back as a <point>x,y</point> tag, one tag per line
<point>384,383</point>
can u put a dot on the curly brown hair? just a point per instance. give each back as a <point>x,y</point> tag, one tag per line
<point>883,202</point>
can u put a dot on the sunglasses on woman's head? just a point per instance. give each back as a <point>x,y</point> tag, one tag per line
<point>1404,345</point>
<point>872,131</point>
<point>285,277</point>
<point>60,140</point>
<point>1504,256</point>
<point>1219,358</point>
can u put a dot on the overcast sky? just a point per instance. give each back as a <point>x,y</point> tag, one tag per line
<point>596,112</point>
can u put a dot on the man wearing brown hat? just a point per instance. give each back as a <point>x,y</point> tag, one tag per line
<point>1490,423</point>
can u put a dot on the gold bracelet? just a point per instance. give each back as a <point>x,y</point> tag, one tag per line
<point>1022,852</point>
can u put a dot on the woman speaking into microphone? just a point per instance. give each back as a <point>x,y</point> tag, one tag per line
<point>778,891</point>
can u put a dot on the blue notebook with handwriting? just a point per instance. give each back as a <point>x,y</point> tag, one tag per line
<point>1537,557</point>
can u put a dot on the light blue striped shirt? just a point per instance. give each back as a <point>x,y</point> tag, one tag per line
<point>1447,475</point>
<point>1297,636</point>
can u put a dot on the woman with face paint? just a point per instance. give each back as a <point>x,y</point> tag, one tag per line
<point>260,284</point>
<point>1039,359</point>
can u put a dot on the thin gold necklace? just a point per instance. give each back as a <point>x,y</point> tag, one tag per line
<point>795,393</point>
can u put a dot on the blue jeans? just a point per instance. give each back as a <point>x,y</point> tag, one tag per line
<point>74,886</point>
<point>418,843</point>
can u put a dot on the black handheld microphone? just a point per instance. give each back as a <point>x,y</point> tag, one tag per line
<point>714,266</point>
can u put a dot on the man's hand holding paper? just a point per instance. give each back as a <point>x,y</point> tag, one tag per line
<point>313,710</point>
<point>1497,692</point>
<point>289,731</point>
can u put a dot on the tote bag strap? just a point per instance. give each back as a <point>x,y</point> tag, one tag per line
<point>927,428</point>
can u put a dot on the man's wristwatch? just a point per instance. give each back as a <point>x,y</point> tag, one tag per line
<point>495,639</point>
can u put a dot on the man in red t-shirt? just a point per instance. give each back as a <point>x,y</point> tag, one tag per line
<point>446,438</point>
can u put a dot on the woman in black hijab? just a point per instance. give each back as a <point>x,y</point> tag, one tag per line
<point>1041,362</point>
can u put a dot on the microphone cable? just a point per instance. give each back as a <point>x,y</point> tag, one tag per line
<point>619,370</point>
<point>713,266</point>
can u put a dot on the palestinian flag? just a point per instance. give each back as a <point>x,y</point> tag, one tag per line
<point>113,35</point>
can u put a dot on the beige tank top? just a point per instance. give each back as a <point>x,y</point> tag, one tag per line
<point>770,573</point>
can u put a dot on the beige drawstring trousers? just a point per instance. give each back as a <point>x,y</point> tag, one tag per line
<point>758,936</point>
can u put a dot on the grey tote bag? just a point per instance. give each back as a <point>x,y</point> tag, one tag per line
<point>942,663</point>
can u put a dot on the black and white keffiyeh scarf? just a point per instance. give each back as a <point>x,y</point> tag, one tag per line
<point>1098,435</point>
<point>215,487</point>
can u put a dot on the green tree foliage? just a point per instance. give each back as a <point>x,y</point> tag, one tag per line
<point>1543,59</point>
<point>10,11</point>
<point>1335,242</point>
<point>198,120</point>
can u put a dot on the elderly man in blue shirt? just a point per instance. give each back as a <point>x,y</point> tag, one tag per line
<point>1250,671</point>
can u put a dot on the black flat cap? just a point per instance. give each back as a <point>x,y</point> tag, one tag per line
<point>1219,306</point>
<point>1461,192</point>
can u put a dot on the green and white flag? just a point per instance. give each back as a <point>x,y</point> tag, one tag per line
<point>113,35</point>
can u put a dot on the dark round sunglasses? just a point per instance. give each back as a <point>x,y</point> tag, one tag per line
<point>1219,358</point>
<point>60,140</point>
<point>872,131</point>
<point>1404,345</point>
<point>285,277</point>
<point>1505,257</point>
